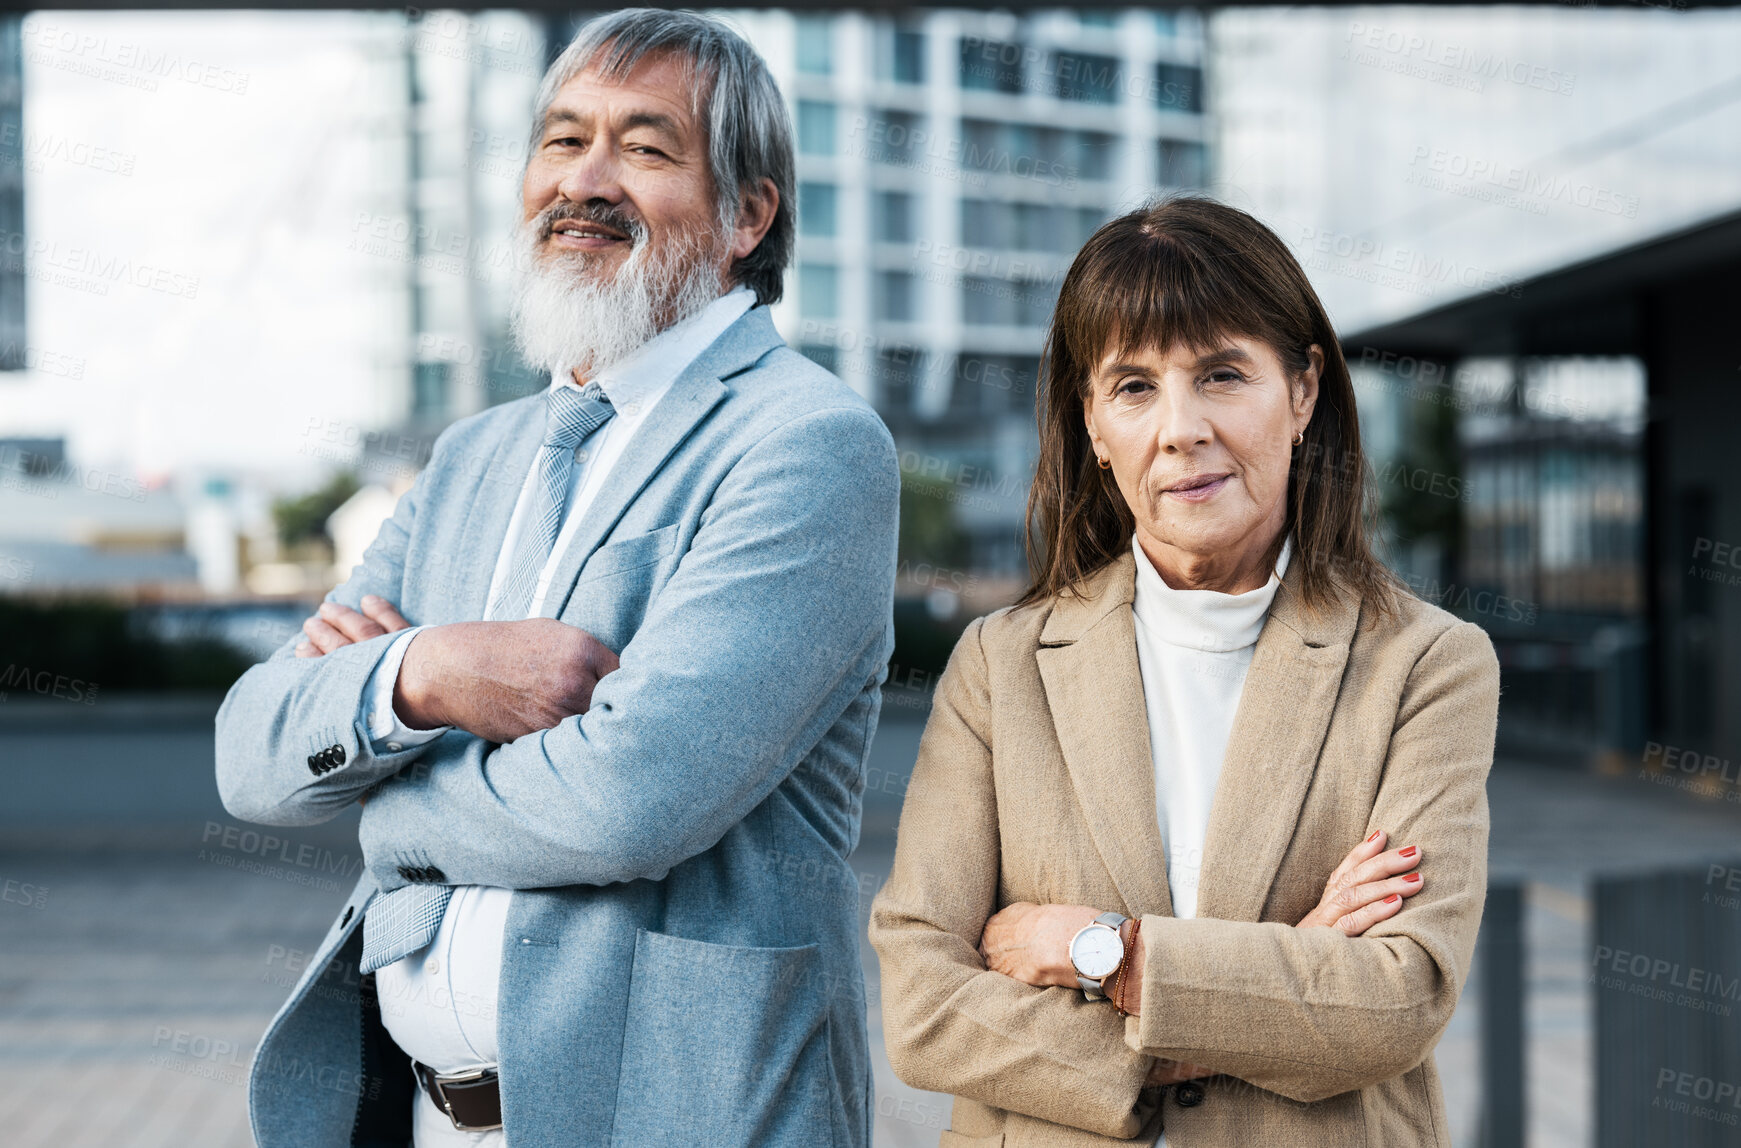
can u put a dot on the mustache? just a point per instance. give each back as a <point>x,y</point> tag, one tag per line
<point>592,211</point>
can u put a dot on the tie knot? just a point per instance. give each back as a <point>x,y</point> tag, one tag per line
<point>571,415</point>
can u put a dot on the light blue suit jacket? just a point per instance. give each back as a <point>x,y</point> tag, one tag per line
<point>681,963</point>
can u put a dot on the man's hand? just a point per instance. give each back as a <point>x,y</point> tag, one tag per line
<point>335,625</point>
<point>499,680</point>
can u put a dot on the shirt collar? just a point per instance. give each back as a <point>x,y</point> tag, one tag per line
<point>656,364</point>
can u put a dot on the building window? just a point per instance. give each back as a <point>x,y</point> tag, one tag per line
<point>817,208</point>
<point>1183,163</point>
<point>987,301</point>
<point>897,296</point>
<point>815,54</point>
<point>899,371</point>
<point>815,127</point>
<point>1088,221</point>
<point>1026,151</point>
<point>992,384</point>
<point>429,390</point>
<point>991,65</point>
<point>818,291</point>
<point>824,356</point>
<point>893,136</point>
<point>1179,87</point>
<point>907,56</point>
<point>895,217</point>
<point>1086,77</point>
<point>1095,154</point>
<point>981,223</point>
<point>1097,18</point>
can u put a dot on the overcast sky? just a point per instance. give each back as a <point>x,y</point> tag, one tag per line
<point>193,181</point>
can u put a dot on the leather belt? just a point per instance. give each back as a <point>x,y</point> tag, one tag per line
<point>472,1100</point>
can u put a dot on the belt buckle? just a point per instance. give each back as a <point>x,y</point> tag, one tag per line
<point>435,1084</point>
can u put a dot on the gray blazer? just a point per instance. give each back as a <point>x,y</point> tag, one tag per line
<point>681,963</point>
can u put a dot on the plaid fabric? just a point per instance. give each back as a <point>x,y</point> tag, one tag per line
<point>401,922</point>
<point>570,416</point>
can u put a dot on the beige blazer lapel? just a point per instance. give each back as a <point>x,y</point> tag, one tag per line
<point>1088,662</point>
<point>1272,753</point>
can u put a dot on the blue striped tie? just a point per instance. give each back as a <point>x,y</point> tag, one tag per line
<point>570,416</point>
<point>403,921</point>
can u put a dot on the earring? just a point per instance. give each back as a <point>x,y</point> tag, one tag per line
<point>1104,465</point>
<point>1299,437</point>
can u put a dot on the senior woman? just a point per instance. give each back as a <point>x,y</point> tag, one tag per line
<point>1195,848</point>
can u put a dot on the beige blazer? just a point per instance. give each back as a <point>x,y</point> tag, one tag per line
<point>1035,783</point>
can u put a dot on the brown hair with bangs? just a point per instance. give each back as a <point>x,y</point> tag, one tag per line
<point>1191,272</point>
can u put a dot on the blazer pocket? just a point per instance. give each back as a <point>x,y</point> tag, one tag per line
<point>629,553</point>
<point>726,1045</point>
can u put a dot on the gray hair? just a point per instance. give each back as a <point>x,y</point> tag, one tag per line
<point>749,131</point>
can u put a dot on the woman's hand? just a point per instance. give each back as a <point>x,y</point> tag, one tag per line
<point>1031,943</point>
<point>1366,888</point>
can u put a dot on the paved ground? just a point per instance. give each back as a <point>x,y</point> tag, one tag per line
<point>145,937</point>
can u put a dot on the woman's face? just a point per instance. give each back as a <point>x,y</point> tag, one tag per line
<point>1199,440</point>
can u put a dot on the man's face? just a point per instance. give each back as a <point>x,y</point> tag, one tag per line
<point>616,156</point>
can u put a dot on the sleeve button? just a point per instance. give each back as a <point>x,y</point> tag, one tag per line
<point>1189,1094</point>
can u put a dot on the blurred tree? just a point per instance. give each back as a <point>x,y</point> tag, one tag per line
<point>929,531</point>
<point>102,646</point>
<point>302,520</point>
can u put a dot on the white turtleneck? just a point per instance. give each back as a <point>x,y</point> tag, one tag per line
<point>1193,647</point>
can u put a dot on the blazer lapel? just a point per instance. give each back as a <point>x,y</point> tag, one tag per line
<point>1088,664</point>
<point>1272,753</point>
<point>694,393</point>
<point>492,504</point>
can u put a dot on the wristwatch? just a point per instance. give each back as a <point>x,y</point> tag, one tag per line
<point>1097,950</point>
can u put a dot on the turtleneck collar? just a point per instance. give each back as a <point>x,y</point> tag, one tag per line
<point>1205,620</point>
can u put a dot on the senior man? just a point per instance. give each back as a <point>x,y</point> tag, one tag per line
<point>611,775</point>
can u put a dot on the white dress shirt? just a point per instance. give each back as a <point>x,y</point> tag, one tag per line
<point>1193,648</point>
<point>439,1003</point>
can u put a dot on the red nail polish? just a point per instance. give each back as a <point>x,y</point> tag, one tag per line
<point>1411,877</point>
<point>1393,898</point>
<point>1375,834</point>
<point>1409,852</point>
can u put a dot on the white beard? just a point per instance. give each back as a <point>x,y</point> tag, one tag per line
<point>565,317</point>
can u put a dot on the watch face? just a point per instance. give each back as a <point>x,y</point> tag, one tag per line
<point>1096,952</point>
